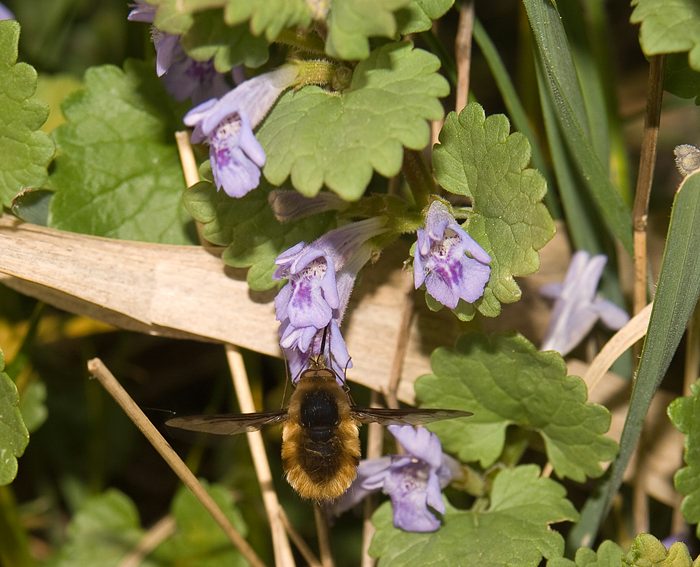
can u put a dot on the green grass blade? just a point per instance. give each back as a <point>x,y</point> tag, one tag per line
<point>676,297</point>
<point>570,108</point>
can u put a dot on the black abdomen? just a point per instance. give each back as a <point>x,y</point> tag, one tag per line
<point>321,449</point>
<point>321,459</point>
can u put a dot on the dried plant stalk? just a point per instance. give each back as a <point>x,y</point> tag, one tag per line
<point>97,369</point>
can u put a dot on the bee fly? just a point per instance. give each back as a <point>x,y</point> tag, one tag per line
<point>320,436</point>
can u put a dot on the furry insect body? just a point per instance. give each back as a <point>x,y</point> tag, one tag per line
<point>320,439</point>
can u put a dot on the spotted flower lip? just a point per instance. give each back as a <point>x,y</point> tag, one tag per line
<point>413,480</point>
<point>450,262</point>
<point>578,307</point>
<point>320,278</point>
<point>227,123</point>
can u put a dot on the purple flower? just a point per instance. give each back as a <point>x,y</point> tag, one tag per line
<point>577,306</point>
<point>5,14</point>
<point>290,205</point>
<point>142,11</point>
<point>321,277</point>
<point>227,126</point>
<point>441,260</point>
<point>414,480</point>
<point>183,76</point>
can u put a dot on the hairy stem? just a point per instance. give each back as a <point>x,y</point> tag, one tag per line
<point>463,52</point>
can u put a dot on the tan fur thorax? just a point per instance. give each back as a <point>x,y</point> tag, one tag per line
<point>345,440</point>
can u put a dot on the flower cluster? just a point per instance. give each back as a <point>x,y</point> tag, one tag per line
<point>450,262</point>
<point>413,480</point>
<point>577,306</point>
<point>320,276</point>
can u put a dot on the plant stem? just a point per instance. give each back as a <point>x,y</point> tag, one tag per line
<point>463,52</point>
<point>97,369</point>
<point>280,543</point>
<point>645,177</point>
<point>418,176</point>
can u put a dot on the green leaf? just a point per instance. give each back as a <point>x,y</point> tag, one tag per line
<point>247,226</point>
<point>680,79</point>
<point>504,380</point>
<point>25,151</point>
<point>515,107</point>
<point>32,405</point>
<point>418,16</point>
<point>176,16</point>
<point>676,296</point>
<point>199,540</point>
<point>685,415</point>
<point>104,530</point>
<point>118,173</point>
<point>320,137</point>
<point>14,436</point>
<point>268,17</point>
<point>646,550</point>
<point>513,530</point>
<point>479,158</point>
<point>669,26</point>
<point>352,22</point>
<point>210,38</point>
<point>609,554</point>
<point>568,101</point>
<point>32,205</point>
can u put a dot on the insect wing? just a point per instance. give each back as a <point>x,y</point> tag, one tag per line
<point>227,423</point>
<point>409,416</point>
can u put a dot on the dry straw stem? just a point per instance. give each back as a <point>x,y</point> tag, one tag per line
<point>645,177</point>
<point>463,53</point>
<point>304,549</point>
<point>632,332</point>
<point>97,369</point>
<point>159,532</point>
<point>280,543</point>
<point>324,540</point>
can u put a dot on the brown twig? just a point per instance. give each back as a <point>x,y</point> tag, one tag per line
<point>375,445</point>
<point>645,176</point>
<point>97,369</point>
<point>463,52</point>
<point>159,532</point>
<point>397,361</point>
<point>297,540</point>
<point>280,544</point>
<point>324,540</point>
<point>622,340</point>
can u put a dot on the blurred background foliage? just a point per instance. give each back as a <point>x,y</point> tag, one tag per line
<point>81,443</point>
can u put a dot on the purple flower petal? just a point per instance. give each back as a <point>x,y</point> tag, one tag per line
<point>407,486</point>
<point>577,308</point>
<point>450,262</point>
<point>612,316</point>
<point>317,293</point>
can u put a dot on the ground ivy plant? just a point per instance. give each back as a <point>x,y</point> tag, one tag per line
<point>326,134</point>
